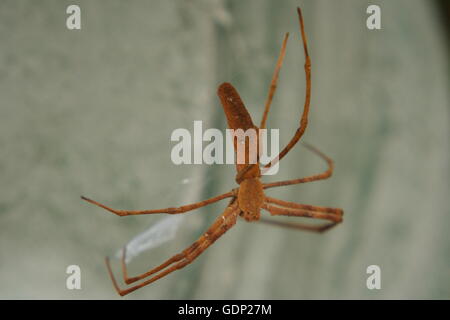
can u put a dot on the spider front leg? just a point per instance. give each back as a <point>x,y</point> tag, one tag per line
<point>222,224</point>
<point>304,117</point>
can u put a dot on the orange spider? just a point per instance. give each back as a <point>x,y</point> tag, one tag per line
<point>249,198</point>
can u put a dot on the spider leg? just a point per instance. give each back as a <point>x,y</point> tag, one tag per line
<point>300,226</point>
<point>222,224</point>
<point>304,118</point>
<point>284,211</point>
<point>273,83</point>
<point>272,90</point>
<point>126,279</point>
<point>176,210</point>
<point>129,280</point>
<point>308,207</point>
<point>301,210</point>
<point>321,176</point>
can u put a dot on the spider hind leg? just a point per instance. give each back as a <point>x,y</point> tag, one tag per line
<point>221,225</point>
<point>286,208</point>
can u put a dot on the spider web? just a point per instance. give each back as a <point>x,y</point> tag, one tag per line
<point>154,236</point>
<point>164,229</point>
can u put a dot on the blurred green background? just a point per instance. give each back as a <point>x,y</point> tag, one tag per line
<point>90,112</point>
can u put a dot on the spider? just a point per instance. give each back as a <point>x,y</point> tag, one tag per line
<point>249,198</point>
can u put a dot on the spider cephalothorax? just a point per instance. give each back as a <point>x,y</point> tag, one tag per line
<point>251,198</point>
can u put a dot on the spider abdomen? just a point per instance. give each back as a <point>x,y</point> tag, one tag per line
<point>235,111</point>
